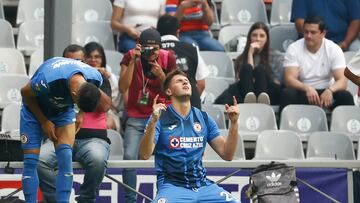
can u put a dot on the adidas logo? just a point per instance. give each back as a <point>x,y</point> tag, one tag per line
<point>273,178</point>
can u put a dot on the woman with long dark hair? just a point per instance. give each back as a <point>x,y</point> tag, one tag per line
<point>259,69</point>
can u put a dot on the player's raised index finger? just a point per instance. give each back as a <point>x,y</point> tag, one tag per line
<point>155,99</point>
<point>235,101</point>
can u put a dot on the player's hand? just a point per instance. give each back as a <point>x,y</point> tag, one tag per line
<point>157,108</point>
<point>156,69</point>
<point>312,96</point>
<point>233,111</point>
<point>79,121</point>
<point>326,98</point>
<point>49,129</point>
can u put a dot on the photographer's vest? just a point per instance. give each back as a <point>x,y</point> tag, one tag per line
<point>153,87</point>
<point>186,61</point>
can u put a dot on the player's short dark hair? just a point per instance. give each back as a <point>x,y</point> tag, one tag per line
<point>88,97</point>
<point>316,20</point>
<point>73,48</point>
<point>170,76</point>
<point>167,25</point>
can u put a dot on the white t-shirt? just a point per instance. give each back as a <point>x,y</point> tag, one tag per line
<point>315,69</point>
<point>354,64</point>
<point>141,13</point>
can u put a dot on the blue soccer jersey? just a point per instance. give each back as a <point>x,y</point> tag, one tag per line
<point>180,143</point>
<point>51,83</point>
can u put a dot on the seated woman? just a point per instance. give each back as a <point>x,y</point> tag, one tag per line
<point>259,69</point>
<point>195,17</point>
<point>95,57</point>
<point>130,17</point>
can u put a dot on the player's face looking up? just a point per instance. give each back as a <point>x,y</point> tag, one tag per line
<point>179,87</point>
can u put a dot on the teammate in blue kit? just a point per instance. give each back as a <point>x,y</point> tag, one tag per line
<point>178,134</point>
<point>48,110</point>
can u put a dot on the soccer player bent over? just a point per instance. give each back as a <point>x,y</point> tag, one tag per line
<point>48,110</point>
<point>179,134</point>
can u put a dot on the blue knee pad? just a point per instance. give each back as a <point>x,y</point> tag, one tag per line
<point>30,180</point>
<point>64,179</point>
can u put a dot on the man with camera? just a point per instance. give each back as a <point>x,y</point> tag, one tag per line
<point>143,70</point>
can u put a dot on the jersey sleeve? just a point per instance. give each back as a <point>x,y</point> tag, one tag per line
<point>212,129</point>
<point>39,85</point>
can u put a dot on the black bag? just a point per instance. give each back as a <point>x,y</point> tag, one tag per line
<point>274,182</point>
<point>10,150</point>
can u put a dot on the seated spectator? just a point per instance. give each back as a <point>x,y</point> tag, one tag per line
<point>95,57</point>
<point>195,17</point>
<point>258,68</point>
<point>91,148</point>
<point>352,70</point>
<point>187,55</point>
<point>131,17</point>
<point>310,66</point>
<point>342,19</point>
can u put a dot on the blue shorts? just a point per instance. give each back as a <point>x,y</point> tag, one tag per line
<point>31,131</point>
<point>168,193</point>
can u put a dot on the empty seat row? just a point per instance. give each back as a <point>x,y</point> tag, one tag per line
<point>89,11</point>
<point>250,11</point>
<point>303,119</point>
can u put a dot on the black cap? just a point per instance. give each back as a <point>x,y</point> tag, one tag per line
<point>150,36</point>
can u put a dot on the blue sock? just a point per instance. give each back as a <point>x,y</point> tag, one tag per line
<point>30,180</point>
<point>64,179</point>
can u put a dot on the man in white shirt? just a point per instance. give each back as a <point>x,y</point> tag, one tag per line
<point>314,70</point>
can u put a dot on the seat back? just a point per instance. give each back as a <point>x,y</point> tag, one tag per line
<point>282,36</point>
<point>36,59</point>
<point>113,59</point>
<point>303,119</point>
<point>116,147</point>
<point>216,113</point>
<point>10,119</point>
<point>334,145</point>
<point>219,64</point>
<point>213,88</point>
<point>30,37</point>
<point>30,10</point>
<point>233,37</point>
<point>100,32</point>
<point>282,144</point>
<point>7,34</point>
<point>346,119</point>
<point>2,16</point>
<point>210,153</point>
<point>10,88</point>
<point>12,61</point>
<point>91,11</point>
<point>256,118</point>
<point>242,12</point>
<point>280,12</point>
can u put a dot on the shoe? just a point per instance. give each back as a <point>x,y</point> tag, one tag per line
<point>263,98</point>
<point>250,97</point>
